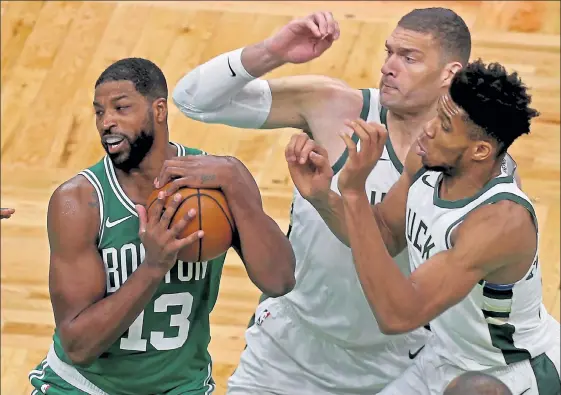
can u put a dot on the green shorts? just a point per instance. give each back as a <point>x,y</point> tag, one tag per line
<point>45,381</point>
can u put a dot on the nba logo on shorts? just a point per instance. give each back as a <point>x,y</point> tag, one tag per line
<point>44,388</point>
<point>264,315</point>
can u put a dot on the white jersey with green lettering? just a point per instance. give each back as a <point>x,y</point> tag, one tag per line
<point>496,324</point>
<point>328,295</point>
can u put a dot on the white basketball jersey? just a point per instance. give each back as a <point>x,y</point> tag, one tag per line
<point>494,325</point>
<point>328,294</point>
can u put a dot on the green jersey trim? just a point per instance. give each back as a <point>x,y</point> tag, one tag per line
<point>391,152</point>
<point>92,178</point>
<point>364,116</point>
<point>464,202</point>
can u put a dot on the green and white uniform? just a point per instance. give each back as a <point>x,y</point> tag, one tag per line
<point>502,329</point>
<point>322,337</point>
<point>165,350</point>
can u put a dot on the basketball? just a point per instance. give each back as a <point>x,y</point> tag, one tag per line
<point>213,216</point>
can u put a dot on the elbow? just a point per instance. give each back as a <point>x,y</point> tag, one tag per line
<point>78,355</point>
<point>280,288</point>
<point>280,284</point>
<point>394,326</point>
<point>79,358</point>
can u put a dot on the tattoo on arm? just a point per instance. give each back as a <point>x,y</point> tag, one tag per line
<point>207,177</point>
<point>94,203</point>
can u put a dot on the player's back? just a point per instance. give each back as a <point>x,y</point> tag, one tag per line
<point>496,324</point>
<point>328,294</point>
<point>166,346</point>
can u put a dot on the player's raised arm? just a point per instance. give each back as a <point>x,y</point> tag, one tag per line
<point>228,89</point>
<point>310,171</point>
<point>89,322</point>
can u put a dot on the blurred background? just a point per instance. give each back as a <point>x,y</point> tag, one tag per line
<point>53,51</point>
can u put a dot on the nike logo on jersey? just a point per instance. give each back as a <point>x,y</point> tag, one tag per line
<point>424,179</point>
<point>413,355</point>
<point>110,224</point>
<point>232,70</point>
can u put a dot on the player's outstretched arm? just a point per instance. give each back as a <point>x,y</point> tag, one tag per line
<point>87,321</point>
<point>228,89</point>
<point>263,247</point>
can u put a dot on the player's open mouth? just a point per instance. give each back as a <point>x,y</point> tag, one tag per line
<point>114,143</point>
<point>419,149</point>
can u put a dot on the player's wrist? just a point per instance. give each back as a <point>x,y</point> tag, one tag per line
<point>257,60</point>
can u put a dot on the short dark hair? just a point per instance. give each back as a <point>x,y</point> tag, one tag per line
<point>477,383</point>
<point>444,25</point>
<point>147,78</point>
<point>494,101</point>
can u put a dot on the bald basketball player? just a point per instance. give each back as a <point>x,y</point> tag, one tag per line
<point>476,383</point>
<point>472,236</point>
<point>6,213</point>
<point>131,318</point>
<point>322,338</point>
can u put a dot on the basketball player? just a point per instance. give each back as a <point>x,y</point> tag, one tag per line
<point>130,317</point>
<point>321,337</point>
<point>6,213</point>
<point>476,383</point>
<point>471,233</point>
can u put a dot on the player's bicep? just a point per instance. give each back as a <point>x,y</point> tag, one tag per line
<point>490,238</point>
<point>76,274</point>
<point>312,102</point>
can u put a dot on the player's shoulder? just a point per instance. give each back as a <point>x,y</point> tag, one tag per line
<point>76,193</point>
<point>509,214</point>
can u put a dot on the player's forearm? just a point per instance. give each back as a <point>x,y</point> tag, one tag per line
<point>226,89</point>
<point>257,60</point>
<point>97,327</point>
<point>388,291</point>
<point>331,210</point>
<point>264,248</point>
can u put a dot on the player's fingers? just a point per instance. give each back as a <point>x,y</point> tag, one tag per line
<point>370,129</point>
<point>351,146</point>
<point>308,147</point>
<point>178,244</point>
<point>365,138</point>
<point>312,26</point>
<point>337,33</point>
<point>331,23</point>
<point>319,161</point>
<point>185,181</point>
<point>319,18</point>
<point>180,225</point>
<point>171,207</point>
<point>290,150</point>
<point>300,142</point>
<point>171,169</point>
<point>142,218</point>
<point>154,212</point>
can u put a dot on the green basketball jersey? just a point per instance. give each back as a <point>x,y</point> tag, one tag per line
<point>166,347</point>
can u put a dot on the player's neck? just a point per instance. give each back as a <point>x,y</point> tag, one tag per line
<point>464,184</point>
<point>404,128</point>
<point>139,183</point>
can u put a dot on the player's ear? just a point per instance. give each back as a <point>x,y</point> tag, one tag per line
<point>448,72</point>
<point>160,107</point>
<point>481,150</point>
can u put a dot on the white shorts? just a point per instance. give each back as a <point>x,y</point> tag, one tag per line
<point>285,357</point>
<point>430,374</point>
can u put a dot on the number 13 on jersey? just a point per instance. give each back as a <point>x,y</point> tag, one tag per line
<point>134,341</point>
